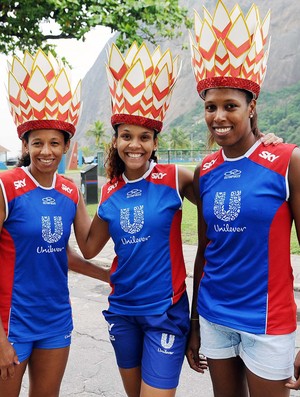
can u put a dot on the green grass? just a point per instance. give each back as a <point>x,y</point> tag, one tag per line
<point>91,209</point>
<point>189,225</point>
<point>295,249</point>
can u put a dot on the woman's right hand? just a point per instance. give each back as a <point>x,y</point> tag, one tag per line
<point>196,360</point>
<point>8,360</point>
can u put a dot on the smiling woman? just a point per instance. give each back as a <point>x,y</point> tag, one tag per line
<point>247,196</point>
<point>37,210</point>
<point>141,210</point>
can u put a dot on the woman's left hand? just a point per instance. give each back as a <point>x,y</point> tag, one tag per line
<point>271,139</point>
<point>295,384</point>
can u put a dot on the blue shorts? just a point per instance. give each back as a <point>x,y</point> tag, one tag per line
<point>24,349</point>
<point>155,343</point>
<point>268,356</point>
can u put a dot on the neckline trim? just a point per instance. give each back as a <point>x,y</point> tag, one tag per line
<point>146,174</point>
<point>247,154</point>
<point>27,172</point>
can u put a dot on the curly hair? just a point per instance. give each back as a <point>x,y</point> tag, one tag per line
<point>114,164</point>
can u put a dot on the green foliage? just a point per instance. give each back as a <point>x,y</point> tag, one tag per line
<point>152,20</point>
<point>87,151</point>
<point>178,138</point>
<point>278,112</point>
<point>97,131</point>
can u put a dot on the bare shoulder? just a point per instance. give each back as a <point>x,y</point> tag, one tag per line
<point>185,174</point>
<point>294,168</point>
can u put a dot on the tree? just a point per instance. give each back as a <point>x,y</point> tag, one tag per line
<point>98,132</point>
<point>179,139</point>
<point>20,21</point>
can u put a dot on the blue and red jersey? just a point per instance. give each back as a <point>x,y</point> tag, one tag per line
<point>248,280</point>
<point>34,293</point>
<point>144,216</point>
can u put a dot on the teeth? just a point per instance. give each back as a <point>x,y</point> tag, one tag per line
<point>222,130</point>
<point>45,161</point>
<point>135,155</point>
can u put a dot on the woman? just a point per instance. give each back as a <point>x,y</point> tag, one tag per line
<point>247,197</point>
<point>37,209</point>
<point>140,209</point>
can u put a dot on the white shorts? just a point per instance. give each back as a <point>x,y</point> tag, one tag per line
<point>268,356</point>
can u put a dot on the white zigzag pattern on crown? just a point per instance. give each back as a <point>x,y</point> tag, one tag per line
<point>228,43</point>
<point>39,89</point>
<point>141,83</point>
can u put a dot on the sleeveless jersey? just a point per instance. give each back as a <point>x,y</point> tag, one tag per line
<point>247,282</point>
<point>34,293</point>
<point>144,216</point>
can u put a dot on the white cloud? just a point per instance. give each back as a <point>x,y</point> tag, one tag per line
<point>80,54</point>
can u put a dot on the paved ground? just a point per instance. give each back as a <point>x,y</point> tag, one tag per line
<point>91,369</point>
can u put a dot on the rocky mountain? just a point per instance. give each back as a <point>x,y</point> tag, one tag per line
<point>283,64</point>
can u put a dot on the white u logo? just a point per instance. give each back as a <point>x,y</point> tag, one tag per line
<point>167,340</point>
<point>138,219</point>
<point>47,234</point>
<point>234,207</point>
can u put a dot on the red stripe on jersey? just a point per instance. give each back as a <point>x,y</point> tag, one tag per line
<point>274,157</point>
<point>281,315</point>
<point>177,260</point>
<point>68,188</point>
<point>211,161</point>
<point>109,188</point>
<point>163,175</point>
<point>113,268</point>
<point>7,268</point>
<point>16,182</point>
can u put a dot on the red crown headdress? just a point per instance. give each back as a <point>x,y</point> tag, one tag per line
<point>141,85</point>
<point>229,49</point>
<point>40,95</point>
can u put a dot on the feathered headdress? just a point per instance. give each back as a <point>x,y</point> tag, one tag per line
<point>229,49</point>
<point>40,95</point>
<point>141,85</point>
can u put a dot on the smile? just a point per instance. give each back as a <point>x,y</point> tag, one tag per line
<point>222,131</point>
<point>134,155</point>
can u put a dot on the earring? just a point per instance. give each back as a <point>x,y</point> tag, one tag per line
<point>251,115</point>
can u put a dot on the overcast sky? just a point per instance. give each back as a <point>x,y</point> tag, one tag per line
<point>81,55</point>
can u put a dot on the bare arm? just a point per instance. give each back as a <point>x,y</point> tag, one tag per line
<point>8,356</point>
<point>82,221</point>
<point>194,342</point>
<point>185,179</point>
<point>294,184</point>
<point>80,265</point>
<point>91,236</point>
